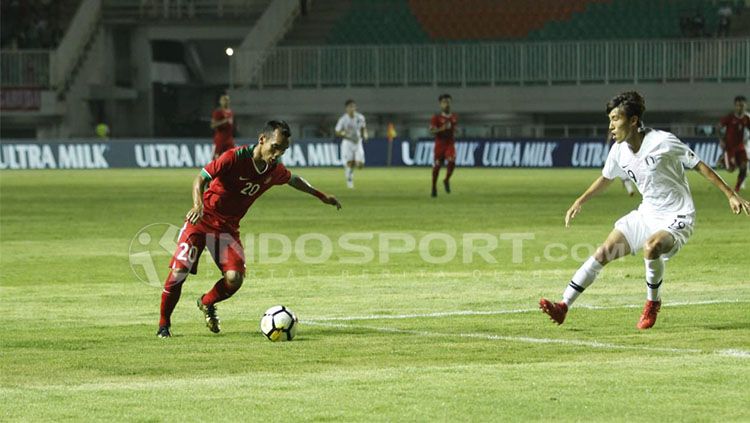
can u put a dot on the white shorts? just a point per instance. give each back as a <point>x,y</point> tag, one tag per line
<point>638,227</point>
<point>352,152</point>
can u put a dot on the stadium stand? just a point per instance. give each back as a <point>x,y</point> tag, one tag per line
<point>342,22</point>
<point>35,24</point>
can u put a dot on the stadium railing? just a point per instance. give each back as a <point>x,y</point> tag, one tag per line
<point>505,63</point>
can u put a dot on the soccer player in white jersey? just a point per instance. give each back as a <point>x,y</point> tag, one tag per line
<point>655,161</point>
<point>352,129</point>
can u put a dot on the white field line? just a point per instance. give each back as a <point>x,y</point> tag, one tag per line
<point>497,312</point>
<point>734,353</point>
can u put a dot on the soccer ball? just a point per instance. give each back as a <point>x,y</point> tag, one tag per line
<point>279,324</point>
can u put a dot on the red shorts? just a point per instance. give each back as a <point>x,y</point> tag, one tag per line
<point>225,248</point>
<point>445,151</point>
<point>734,157</point>
<point>221,147</point>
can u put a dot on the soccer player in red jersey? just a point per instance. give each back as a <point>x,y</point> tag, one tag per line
<point>443,126</point>
<point>222,193</point>
<point>222,122</point>
<point>732,131</point>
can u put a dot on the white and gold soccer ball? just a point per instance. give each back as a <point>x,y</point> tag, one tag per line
<point>279,324</point>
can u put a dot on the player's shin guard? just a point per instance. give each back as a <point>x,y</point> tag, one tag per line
<point>654,275</point>
<point>170,296</point>
<point>435,173</point>
<point>220,292</point>
<point>449,170</point>
<point>582,279</point>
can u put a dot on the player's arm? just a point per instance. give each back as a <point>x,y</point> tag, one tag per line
<point>298,183</point>
<point>736,203</point>
<point>600,184</point>
<point>365,135</point>
<point>199,186</point>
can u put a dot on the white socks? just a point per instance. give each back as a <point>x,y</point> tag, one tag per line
<point>584,277</point>
<point>654,275</point>
<point>349,173</point>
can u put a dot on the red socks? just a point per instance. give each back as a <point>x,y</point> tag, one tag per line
<point>169,298</point>
<point>449,172</point>
<point>435,173</point>
<point>220,292</point>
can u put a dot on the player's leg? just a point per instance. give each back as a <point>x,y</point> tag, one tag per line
<point>741,159</point>
<point>227,251</point>
<point>359,156</point>
<point>655,246</point>
<point>347,156</point>
<point>190,244</point>
<point>628,236</point>
<point>450,156</point>
<point>439,156</point>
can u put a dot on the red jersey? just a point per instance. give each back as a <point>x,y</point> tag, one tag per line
<point>236,183</point>
<point>223,134</point>
<point>735,130</point>
<point>448,135</point>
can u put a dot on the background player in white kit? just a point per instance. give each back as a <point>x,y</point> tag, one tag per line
<point>655,161</point>
<point>352,129</point>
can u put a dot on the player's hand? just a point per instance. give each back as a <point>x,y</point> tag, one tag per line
<point>195,214</point>
<point>331,200</point>
<point>572,213</point>
<point>739,204</point>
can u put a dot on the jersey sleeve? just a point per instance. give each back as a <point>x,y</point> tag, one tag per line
<point>612,169</point>
<point>340,124</point>
<point>434,122</point>
<point>682,152</point>
<point>219,166</point>
<point>281,175</point>
<point>217,115</point>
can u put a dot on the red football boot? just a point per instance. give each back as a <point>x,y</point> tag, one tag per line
<point>648,317</point>
<point>555,311</point>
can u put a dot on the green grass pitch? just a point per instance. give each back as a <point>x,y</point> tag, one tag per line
<point>402,340</point>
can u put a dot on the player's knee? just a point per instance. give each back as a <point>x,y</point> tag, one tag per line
<point>233,278</point>
<point>653,248</point>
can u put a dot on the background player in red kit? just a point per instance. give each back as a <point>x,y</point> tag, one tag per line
<point>732,131</point>
<point>222,122</point>
<point>235,180</point>
<point>443,126</point>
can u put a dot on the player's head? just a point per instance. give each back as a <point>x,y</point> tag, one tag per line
<point>740,104</point>
<point>224,101</point>
<point>351,107</point>
<point>445,102</point>
<point>273,140</point>
<point>625,112</point>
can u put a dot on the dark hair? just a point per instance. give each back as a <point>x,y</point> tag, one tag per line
<point>273,125</point>
<point>631,103</point>
<point>740,98</point>
<point>442,96</point>
<point>348,102</point>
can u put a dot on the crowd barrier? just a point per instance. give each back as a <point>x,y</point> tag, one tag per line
<point>195,153</point>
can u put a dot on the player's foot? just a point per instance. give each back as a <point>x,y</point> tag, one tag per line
<point>434,192</point>
<point>209,312</point>
<point>164,332</point>
<point>350,184</point>
<point>555,311</point>
<point>447,186</point>
<point>648,317</point>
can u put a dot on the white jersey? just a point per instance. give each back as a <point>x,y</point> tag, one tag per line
<point>658,170</point>
<point>352,126</point>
